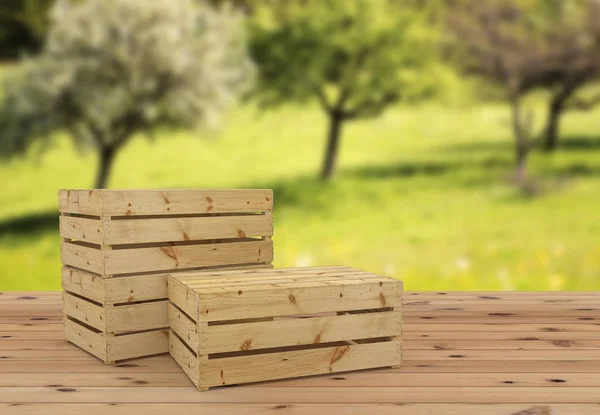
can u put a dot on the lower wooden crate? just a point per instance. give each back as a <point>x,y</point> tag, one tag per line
<point>228,329</point>
<point>119,318</point>
<point>112,348</point>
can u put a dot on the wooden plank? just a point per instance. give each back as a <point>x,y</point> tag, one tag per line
<point>184,358</point>
<point>560,344</point>
<point>256,368</point>
<point>302,409</point>
<point>156,364</point>
<point>247,280</point>
<point>84,311</point>
<point>459,354</point>
<point>292,332</point>
<point>503,327</point>
<point>168,229</point>
<point>83,202</point>
<point>185,202</point>
<point>372,378</point>
<point>109,379</point>
<point>259,302</point>
<point>85,284</point>
<point>192,276</point>
<point>81,229</point>
<point>86,339</point>
<point>500,366</point>
<point>120,261</point>
<point>138,344</point>
<point>137,317</point>
<point>184,327</point>
<point>396,395</point>
<point>524,336</point>
<point>83,257</point>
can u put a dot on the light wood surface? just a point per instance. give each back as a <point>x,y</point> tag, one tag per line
<point>505,368</point>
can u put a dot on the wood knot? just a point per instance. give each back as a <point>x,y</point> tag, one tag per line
<point>169,251</point>
<point>292,299</point>
<point>209,208</point>
<point>382,299</point>
<point>537,410</point>
<point>317,339</point>
<point>166,200</point>
<point>241,233</point>
<point>562,343</point>
<point>186,237</point>
<point>246,345</point>
<point>338,353</point>
<point>209,199</point>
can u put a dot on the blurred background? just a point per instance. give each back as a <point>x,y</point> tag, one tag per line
<point>454,144</point>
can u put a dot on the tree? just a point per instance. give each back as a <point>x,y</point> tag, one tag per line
<point>356,57</point>
<point>111,69</point>
<point>572,32</point>
<point>524,45</point>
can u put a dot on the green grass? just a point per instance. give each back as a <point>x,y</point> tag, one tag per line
<point>421,194</point>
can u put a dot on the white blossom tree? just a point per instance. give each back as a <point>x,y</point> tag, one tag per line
<point>114,68</point>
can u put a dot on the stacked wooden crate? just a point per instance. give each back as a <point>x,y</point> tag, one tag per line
<point>118,248</point>
<point>232,327</point>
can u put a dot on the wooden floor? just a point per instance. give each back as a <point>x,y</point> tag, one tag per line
<point>465,353</point>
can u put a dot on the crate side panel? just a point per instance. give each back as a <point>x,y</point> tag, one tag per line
<point>182,297</point>
<point>121,261</point>
<point>83,257</point>
<point>257,301</point>
<point>86,339</point>
<point>185,202</point>
<point>184,358</point>
<point>299,331</point>
<point>84,284</point>
<point>81,229</point>
<point>130,231</point>
<point>84,311</point>
<point>137,317</point>
<point>83,202</point>
<point>263,367</point>
<point>184,327</point>
<point>134,345</point>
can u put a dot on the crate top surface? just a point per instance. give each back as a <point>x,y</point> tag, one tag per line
<point>267,279</point>
<point>138,202</point>
<point>234,295</point>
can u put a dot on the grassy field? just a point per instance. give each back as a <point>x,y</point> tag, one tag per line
<point>422,194</point>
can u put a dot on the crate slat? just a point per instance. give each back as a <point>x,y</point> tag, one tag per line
<point>292,332</point>
<point>166,229</point>
<point>133,345</point>
<point>121,261</point>
<point>258,368</point>
<point>264,300</point>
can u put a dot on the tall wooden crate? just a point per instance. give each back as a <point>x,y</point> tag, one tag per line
<point>118,247</point>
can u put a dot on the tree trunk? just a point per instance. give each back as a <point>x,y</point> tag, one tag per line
<point>521,133</point>
<point>335,126</point>
<point>107,155</point>
<point>552,130</point>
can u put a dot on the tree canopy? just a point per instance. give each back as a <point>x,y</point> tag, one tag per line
<point>110,69</point>
<point>355,56</point>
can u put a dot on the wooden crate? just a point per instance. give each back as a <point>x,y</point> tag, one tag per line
<point>233,327</point>
<point>118,248</point>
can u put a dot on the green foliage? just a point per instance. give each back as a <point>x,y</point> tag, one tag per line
<point>111,68</point>
<point>356,56</point>
<point>421,195</point>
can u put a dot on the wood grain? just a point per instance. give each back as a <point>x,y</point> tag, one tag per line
<point>527,368</point>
